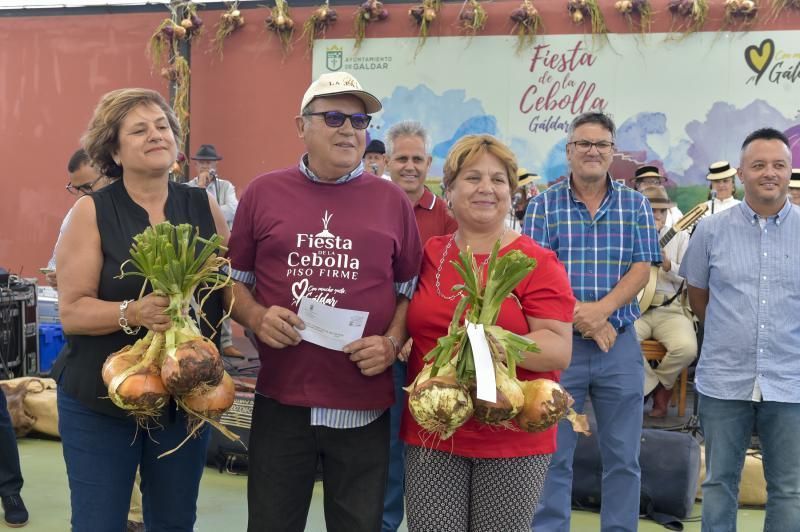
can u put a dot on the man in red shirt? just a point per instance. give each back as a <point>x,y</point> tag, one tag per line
<point>408,146</point>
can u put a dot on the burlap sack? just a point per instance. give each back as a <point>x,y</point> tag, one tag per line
<point>752,487</point>
<point>32,405</point>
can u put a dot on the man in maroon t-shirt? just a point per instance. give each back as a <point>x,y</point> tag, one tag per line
<point>326,232</point>
<point>408,150</point>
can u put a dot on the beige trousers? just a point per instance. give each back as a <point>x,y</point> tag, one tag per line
<point>675,331</point>
<point>135,512</point>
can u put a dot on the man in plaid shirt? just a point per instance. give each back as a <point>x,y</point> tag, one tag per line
<point>605,235</point>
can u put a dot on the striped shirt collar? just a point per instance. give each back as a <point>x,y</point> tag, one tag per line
<point>303,167</point>
<point>777,218</point>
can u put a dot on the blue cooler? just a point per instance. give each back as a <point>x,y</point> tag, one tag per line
<point>51,340</point>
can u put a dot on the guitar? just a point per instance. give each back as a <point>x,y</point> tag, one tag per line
<point>645,297</point>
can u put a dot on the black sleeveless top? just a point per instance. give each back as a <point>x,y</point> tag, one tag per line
<point>79,365</point>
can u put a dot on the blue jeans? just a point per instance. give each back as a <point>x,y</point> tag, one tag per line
<point>614,381</point>
<point>727,426</point>
<point>395,486</point>
<point>10,474</point>
<point>102,453</point>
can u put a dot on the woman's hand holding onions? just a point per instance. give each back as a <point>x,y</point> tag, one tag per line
<point>150,312</point>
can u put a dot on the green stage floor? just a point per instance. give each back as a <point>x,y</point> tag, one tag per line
<point>223,503</point>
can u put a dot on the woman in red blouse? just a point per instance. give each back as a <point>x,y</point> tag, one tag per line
<point>483,478</point>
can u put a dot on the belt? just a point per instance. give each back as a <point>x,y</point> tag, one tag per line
<point>619,330</point>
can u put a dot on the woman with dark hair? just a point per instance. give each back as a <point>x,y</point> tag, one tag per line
<point>133,135</point>
<point>483,478</point>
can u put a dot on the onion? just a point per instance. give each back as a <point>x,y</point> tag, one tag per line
<point>212,402</point>
<point>546,403</point>
<point>510,400</point>
<point>439,404</point>
<point>142,390</point>
<point>195,363</point>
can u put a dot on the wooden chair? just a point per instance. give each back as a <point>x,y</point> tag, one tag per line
<point>653,350</point>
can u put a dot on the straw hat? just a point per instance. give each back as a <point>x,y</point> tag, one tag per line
<point>659,199</point>
<point>525,177</point>
<point>720,170</point>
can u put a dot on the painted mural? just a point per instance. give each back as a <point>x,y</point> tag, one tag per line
<point>679,104</point>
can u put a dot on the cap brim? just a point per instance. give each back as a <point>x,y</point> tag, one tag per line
<point>371,103</point>
<point>526,181</point>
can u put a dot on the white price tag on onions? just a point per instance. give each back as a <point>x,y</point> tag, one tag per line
<point>484,366</point>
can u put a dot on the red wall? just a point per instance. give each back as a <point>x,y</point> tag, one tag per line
<point>53,70</point>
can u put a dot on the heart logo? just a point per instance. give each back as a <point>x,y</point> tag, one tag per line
<point>758,58</point>
<point>299,290</point>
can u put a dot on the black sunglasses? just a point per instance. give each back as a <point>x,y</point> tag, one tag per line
<point>86,188</point>
<point>336,119</point>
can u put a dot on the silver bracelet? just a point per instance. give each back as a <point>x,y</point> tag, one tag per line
<point>123,321</point>
<point>394,344</point>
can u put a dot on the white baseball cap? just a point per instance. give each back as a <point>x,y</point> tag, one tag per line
<point>336,83</point>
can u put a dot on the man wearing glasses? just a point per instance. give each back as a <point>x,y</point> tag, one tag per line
<point>605,235</point>
<point>84,179</point>
<point>324,231</point>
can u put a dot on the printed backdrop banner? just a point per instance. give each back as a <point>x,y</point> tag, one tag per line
<point>681,104</point>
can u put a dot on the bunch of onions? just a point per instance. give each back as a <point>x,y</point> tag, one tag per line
<point>779,6</point>
<point>527,24</point>
<point>230,21</point>
<point>546,403</point>
<point>163,41</point>
<point>694,11</point>
<point>472,17</point>
<point>190,22</point>
<point>443,396</point>
<point>423,16</point>
<point>281,23</point>
<point>317,24</point>
<point>369,11</point>
<point>581,10</point>
<point>178,363</point>
<point>636,8</point>
<point>740,10</point>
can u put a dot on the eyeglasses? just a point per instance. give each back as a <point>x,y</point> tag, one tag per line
<point>81,190</point>
<point>336,119</point>
<point>584,146</point>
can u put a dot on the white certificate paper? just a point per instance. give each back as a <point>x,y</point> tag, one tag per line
<point>484,365</point>
<point>330,327</point>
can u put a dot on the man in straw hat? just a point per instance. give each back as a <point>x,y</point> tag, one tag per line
<point>794,187</point>
<point>665,320</point>
<point>206,160</point>
<point>605,235</point>
<point>323,233</point>
<point>722,187</point>
<point>648,176</point>
<point>743,271</point>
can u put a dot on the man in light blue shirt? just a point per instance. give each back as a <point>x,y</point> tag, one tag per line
<point>743,271</point>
